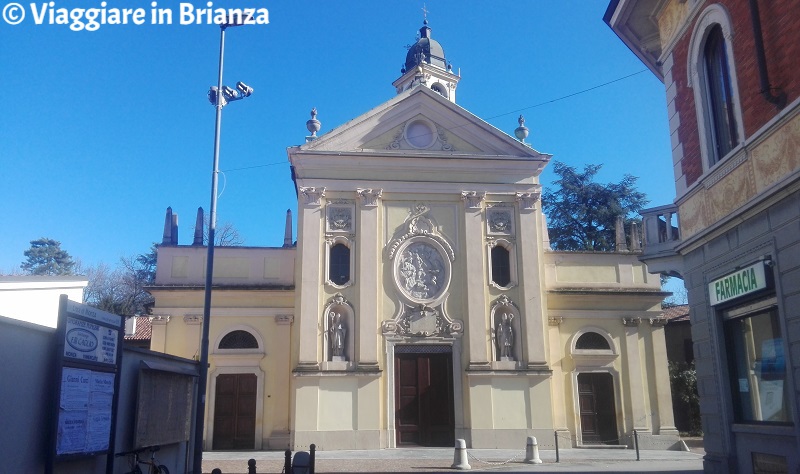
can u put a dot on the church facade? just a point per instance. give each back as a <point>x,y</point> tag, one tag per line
<point>422,302</point>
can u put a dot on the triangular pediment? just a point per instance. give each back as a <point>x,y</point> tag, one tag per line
<point>420,121</point>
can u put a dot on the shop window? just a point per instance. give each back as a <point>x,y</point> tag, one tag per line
<point>757,365</point>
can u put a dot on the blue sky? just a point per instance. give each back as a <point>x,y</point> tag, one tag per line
<point>102,130</point>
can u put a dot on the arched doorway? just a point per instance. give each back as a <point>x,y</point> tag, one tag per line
<point>236,393</point>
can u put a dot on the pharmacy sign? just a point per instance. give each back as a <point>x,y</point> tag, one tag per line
<point>742,282</point>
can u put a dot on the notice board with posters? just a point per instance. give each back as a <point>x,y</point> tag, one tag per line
<point>88,351</point>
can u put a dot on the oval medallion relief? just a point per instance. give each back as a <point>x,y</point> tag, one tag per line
<point>421,270</point>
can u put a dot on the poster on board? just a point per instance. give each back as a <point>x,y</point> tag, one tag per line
<point>87,379</point>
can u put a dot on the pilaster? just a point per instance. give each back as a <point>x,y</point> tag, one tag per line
<point>280,418</point>
<point>531,285</point>
<point>368,262</point>
<point>310,241</point>
<point>557,354</point>
<point>635,383</point>
<point>476,278</point>
<point>191,334</point>
<point>158,337</point>
<point>666,418</point>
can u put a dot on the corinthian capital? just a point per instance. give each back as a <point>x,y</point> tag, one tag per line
<point>312,195</point>
<point>369,197</point>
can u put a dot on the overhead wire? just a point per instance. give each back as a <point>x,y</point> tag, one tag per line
<point>573,94</point>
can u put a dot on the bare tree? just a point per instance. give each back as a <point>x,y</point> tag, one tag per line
<point>225,234</point>
<point>122,290</point>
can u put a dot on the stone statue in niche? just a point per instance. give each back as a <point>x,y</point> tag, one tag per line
<point>336,336</point>
<point>504,336</point>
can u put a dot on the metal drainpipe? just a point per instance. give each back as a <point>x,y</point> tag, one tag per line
<point>766,89</point>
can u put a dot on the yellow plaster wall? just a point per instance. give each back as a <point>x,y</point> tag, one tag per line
<point>338,402</point>
<point>569,366</point>
<point>510,402</point>
<point>587,273</point>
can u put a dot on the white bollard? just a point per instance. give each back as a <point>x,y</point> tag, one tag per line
<point>460,456</point>
<point>532,451</point>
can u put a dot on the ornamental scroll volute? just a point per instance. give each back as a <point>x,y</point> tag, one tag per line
<point>421,260</point>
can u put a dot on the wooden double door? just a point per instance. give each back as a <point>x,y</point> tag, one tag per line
<point>424,413</point>
<point>597,408</point>
<point>235,411</point>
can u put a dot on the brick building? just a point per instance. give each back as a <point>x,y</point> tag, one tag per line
<point>732,83</point>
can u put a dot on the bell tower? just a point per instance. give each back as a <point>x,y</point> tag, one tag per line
<point>426,66</point>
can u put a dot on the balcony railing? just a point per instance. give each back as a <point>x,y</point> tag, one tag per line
<point>660,238</point>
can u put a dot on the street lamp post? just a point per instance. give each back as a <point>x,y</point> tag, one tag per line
<point>219,96</point>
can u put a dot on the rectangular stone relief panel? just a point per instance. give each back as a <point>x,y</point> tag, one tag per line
<point>500,220</point>
<point>340,217</point>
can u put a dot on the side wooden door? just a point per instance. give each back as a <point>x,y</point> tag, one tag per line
<point>597,408</point>
<point>235,412</point>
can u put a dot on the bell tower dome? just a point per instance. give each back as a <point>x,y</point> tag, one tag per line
<point>426,66</point>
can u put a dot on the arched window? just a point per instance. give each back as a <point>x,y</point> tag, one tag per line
<point>339,269</point>
<point>440,89</point>
<point>501,266</point>
<point>238,340</point>
<point>719,96</point>
<point>592,341</point>
<point>711,72</point>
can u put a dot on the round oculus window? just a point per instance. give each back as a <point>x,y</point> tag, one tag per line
<point>420,134</point>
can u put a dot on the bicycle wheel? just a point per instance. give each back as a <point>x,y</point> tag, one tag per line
<point>161,469</point>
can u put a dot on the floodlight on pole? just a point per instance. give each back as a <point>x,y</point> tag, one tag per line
<point>219,97</point>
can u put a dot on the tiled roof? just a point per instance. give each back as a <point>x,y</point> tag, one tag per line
<point>677,313</point>
<point>144,329</point>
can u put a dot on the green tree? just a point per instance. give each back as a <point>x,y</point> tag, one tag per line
<point>582,214</point>
<point>45,257</point>
<point>683,382</point>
